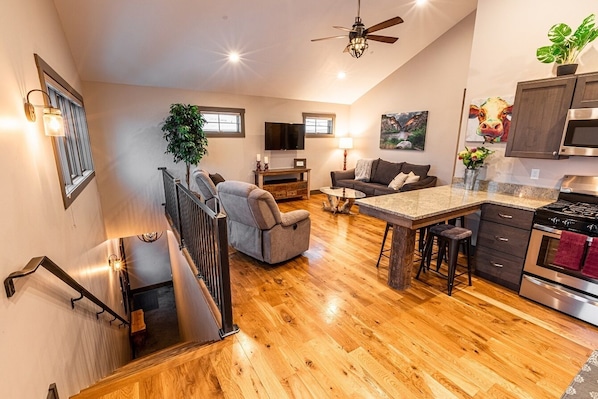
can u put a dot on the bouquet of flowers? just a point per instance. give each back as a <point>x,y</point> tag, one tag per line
<point>473,158</point>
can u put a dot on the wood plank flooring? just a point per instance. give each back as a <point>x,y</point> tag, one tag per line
<point>326,325</point>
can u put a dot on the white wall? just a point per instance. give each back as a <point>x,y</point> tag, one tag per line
<point>507,34</point>
<point>148,263</point>
<point>128,147</point>
<point>41,339</point>
<point>432,81</point>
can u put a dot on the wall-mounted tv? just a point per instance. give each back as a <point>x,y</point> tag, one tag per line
<point>284,136</point>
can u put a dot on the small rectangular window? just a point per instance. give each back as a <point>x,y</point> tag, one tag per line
<point>223,122</point>
<point>319,125</point>
<point>72,152</point>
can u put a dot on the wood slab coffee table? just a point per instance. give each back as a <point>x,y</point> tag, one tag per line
<point>340,199</point>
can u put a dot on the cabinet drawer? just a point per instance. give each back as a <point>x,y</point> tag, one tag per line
<point>500,237</point>
<point>510,216</point>
<point>503,269</point>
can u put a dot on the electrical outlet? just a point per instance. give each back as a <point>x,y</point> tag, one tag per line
<point>535,175</point>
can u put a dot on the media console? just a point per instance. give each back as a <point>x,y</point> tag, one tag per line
<point>280,185</point>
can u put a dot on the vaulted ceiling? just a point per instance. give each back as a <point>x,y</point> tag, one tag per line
<point>185,43</point>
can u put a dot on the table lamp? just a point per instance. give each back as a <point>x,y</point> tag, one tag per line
<point>345,143</point>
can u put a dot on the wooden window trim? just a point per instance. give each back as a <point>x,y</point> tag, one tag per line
<point>320,115</point>
<point>240,111</point>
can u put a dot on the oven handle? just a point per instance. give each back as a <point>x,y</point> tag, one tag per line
<point>561,290</point>
<point>547,229</point>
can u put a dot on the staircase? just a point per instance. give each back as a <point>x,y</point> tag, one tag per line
<point>174,372</point>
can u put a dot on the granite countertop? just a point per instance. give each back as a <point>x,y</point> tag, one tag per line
<point>429,202</point>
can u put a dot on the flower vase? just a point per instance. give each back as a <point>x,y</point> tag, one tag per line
<point>469,178</point>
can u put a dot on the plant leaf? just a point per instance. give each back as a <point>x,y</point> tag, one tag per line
<point>544,54</point>
<point>559,32</point>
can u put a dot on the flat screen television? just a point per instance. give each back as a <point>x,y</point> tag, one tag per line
<point>284,136</point>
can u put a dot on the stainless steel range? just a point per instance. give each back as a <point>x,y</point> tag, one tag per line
<point>570,291</point>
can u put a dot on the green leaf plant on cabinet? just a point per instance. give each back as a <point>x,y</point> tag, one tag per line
<point>540,111</point>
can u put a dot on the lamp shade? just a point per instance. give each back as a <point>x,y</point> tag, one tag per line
<point>345,143</point>
<point>53,122</point>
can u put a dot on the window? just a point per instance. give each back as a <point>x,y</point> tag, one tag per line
<point>72,152</point>
<point>319,125</point>
<point>223,122</point>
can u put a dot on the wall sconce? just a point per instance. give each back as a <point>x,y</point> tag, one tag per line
<point>345,143</point>
<point>53,121</point>
<point>115,263</point>
<point>150,237</point>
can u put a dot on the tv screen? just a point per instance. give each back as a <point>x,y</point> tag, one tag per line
<point>284,136</point>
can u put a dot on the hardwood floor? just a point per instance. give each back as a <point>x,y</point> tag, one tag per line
<point>326,325</point>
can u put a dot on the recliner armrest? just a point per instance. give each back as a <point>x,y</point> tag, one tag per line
<point>429,181</point>
<point>292,217</point>
<point>336,175</point>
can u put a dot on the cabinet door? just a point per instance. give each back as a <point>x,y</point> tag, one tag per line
<point>539,115</point>
<point>586,91</point>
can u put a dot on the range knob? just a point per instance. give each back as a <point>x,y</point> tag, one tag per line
<point>554,220</point>
<point>568,222</point>
<point>592,227</point>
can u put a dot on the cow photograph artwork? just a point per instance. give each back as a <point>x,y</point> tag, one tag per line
<point>404,131</point>
<point>489,119</point>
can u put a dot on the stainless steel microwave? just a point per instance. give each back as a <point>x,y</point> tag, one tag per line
<point>580,136</point>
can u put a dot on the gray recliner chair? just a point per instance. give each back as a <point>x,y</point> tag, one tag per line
<point>207,189</point>
<point>256,226</point>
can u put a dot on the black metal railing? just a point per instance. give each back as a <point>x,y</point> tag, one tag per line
<point>202,233</point>
<point>43,261</point>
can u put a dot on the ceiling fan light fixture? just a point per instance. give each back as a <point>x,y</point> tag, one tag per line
<point>357,46</point>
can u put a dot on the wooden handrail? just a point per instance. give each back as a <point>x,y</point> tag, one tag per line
<point>53,268</point>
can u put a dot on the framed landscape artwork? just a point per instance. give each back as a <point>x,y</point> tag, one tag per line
<point>404,131</point>
<point>489,119</point>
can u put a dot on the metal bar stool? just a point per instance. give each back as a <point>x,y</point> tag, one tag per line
<point>422,235</point>
<point>451,236</point>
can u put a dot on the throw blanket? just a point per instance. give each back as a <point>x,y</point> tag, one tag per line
<point>585,383</point>
<point>570,250</point>
<point>363,169</point>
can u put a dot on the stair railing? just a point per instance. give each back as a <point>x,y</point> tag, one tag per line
<point>45,262</point>
<point>202,233</point>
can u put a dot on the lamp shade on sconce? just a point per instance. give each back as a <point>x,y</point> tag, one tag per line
<point>53,122</point>
<point>345,143</point>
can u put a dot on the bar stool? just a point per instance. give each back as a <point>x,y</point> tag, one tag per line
<point>422,235</point>
<point>451,236</point>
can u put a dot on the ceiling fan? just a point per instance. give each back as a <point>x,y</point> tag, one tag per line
<point>359,35</point>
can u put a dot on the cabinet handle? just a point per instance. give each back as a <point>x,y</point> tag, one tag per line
<point>505,216</point>
<point>496,264</point>
<point>503,239</point>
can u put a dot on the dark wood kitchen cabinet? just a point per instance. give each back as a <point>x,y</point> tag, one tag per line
<point>501,245</point>
<point>540,111</point>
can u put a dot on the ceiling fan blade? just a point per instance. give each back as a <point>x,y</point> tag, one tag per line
<point>385,24</point>
<point>343,28</point>
<point>383,39</point>
<point>331,37</point>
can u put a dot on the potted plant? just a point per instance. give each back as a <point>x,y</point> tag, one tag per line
<point>183,130</point>
<point>567,45</point>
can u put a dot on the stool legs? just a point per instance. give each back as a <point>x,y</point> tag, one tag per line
<point>383,242</point>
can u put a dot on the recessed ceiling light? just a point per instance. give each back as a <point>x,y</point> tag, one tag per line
<point>234,57</point>
<point>421,2</point>
<point>341,75</point>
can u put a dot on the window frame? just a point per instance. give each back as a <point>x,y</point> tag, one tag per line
<point>222,110</point>
<point>49,78</point>
<point>332,117</point>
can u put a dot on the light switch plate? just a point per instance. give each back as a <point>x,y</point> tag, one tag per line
<point>535,175</point>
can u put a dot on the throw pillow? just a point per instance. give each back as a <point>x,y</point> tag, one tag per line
<point>398,181</point>
<point>216,178</point>
<point>363,169</point>
<point>411,178</point>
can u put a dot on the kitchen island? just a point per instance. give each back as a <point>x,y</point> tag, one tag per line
<point>408,211</point>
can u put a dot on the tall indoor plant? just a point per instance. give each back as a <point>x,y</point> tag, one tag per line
<point>566,44</point>
<point>183,130</point>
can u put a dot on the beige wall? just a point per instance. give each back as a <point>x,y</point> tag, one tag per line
<point>148,263</point>
<point>432,81</point>
<point>41,339</point>
<point>128,147</point>
<point>507,34</point>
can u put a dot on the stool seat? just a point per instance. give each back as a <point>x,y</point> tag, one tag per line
<point>451,236</point>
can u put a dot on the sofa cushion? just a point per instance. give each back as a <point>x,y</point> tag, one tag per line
<point>386,171</point>
<point>382,190</point>
<point>346,183</point>
<point>216,178</point>
<point>366,188</point>
<point>420,170</point>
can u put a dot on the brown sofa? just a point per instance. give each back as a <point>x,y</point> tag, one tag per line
<point>381,175</point>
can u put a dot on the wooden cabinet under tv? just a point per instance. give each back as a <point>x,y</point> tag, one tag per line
<point>284,183</point>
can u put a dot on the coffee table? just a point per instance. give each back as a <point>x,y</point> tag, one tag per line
<point>340,199</point>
